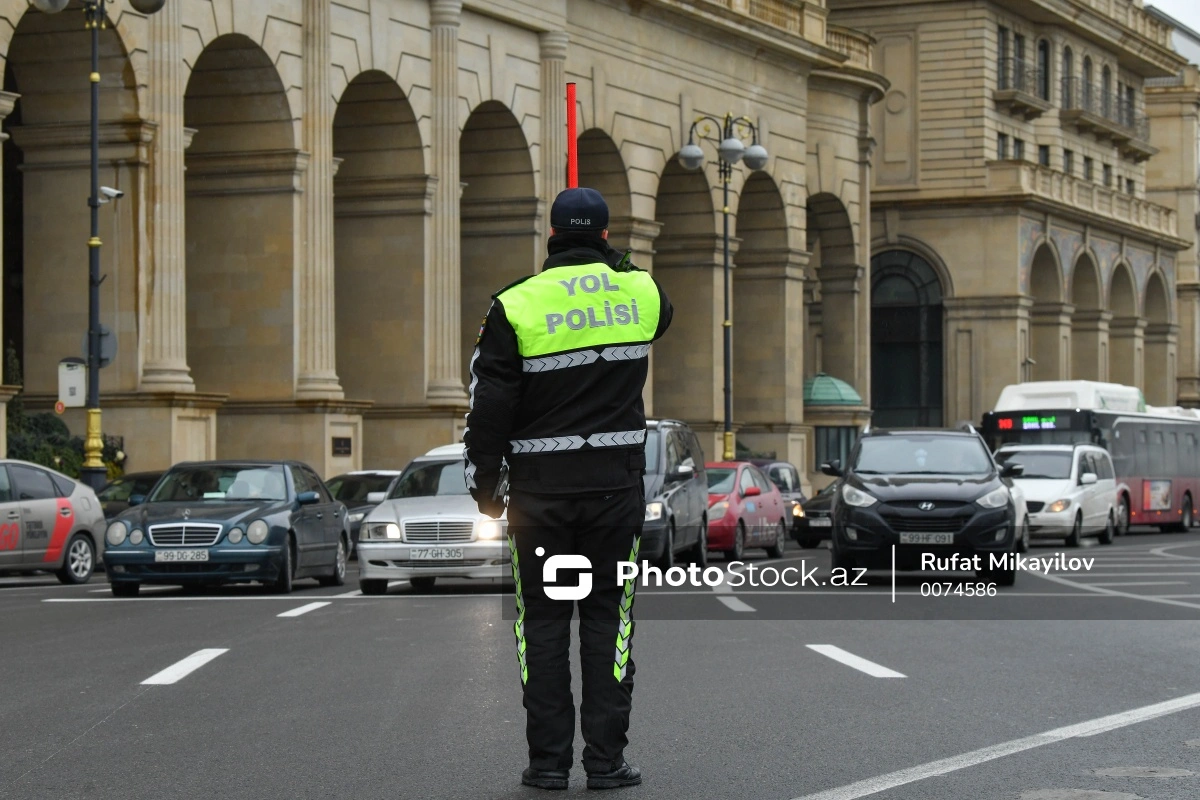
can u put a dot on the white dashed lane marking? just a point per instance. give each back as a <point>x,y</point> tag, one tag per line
<point>296,612</point>
<point>855,662</point>
<point>181,669</point>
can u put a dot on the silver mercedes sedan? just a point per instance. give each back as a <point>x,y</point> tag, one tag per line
<point>429,528</point>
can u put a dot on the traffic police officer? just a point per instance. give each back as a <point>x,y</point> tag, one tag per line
<point>556,398</point>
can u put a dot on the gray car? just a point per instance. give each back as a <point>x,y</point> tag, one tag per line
<point>48,522</point>
<point>428,528</point>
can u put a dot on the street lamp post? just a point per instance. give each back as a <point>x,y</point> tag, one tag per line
<point>94,473</point>
<point>730,150</point>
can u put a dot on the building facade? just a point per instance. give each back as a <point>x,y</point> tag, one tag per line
<point>1014,235</point>
<point>321,196</point>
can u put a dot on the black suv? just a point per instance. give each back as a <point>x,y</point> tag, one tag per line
<point>676,495</point>
<point>926,491</point>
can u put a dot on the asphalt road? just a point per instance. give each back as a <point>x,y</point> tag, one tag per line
<point>1072,685</point>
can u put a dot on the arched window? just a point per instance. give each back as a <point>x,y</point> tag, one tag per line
<point>1043,69</point>
<point>906,341</point>
<point>1087,90</point>
<point>1106,91</point>
<point>1068,78</point>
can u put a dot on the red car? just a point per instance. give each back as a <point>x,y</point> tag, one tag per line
<point>744,510</point>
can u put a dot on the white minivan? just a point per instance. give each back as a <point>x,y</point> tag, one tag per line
<point>1070,490</point>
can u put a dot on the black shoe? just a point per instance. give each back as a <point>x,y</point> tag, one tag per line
<point>624,775</point>
<point>545,778</point>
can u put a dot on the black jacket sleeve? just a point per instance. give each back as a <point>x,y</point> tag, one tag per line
<point>495,390</point>
<point>666,311</point>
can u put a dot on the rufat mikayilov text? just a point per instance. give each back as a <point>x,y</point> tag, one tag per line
<point>1059,562</point>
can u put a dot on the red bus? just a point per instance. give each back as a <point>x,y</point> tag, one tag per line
<point>1155,451</point>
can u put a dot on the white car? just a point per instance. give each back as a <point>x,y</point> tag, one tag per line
<point>1070,490</point>
<point>428,528</point>
<point>48,522</point>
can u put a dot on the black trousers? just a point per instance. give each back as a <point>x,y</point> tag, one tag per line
<point>605,529</point>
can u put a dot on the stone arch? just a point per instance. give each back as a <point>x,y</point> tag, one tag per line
<point>602,168</point>
<point>47,182</point>
<point>1050,319</point>
<point>1089,322</point>
<point>907,332</point>
<point>242,184</point>
<point>761,295</point>
<point>498,213</point>
<point>688,263</point>
<point>1126,330</point>
<point>832,303</point>
<point>380,193</point>
<point>1161,342</point>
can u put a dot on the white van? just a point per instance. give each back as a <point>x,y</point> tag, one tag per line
<point>1070,490</point>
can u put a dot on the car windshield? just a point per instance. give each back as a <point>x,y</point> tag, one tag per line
<point>431,478</point>
<point>921,455</point>
<point>220,483</point>
<point>355,488</point>
<point>1038,464</point>
<point>117,491</point>
<point>720,480</point>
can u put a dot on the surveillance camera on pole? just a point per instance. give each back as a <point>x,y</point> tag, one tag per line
<point>108,193</point>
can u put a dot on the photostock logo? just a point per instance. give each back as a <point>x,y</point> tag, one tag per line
<point>570,561</point>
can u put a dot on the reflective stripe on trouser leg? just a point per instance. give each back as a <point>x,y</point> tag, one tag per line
<point>519,625</point>
<point>625,622</point>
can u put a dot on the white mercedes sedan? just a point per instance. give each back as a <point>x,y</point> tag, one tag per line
<point>429,528</point>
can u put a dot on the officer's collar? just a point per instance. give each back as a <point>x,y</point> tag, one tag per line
<point>571,248</point>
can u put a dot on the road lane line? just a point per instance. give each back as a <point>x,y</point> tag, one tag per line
<point>724,593</point>
<point>1143,583</point>
<point>945,766</point>
<point>181,669</point>
<point>855,662</point>
<point>1101,590</point>
<point>296,612</point>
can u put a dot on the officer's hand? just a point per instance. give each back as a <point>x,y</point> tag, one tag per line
<point>491,506</point>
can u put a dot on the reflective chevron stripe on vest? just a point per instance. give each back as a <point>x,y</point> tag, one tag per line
<point>554,444</point>
<point>590,308</point>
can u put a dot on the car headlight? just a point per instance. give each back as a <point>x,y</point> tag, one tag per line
<point>235,536</point>
<point>115,534</point>
<point>489,529</point>
<point>383,530</point>
<point>797,510</point>
<point>997,498</point>
<point>1058,506</point>
<point>857,497</point>
<point>654,511</point>
<point>718,510</point>
<point>357,517</point>
<point>136,537</point>
<point>257,532</point>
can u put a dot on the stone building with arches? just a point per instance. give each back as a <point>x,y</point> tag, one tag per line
<point>321,195</point>
<point>1017,232</point>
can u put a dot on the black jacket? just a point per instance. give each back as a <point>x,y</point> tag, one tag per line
<point>508,403</point>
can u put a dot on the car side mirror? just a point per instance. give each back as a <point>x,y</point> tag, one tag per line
<point>833,469</point>
<point>682,472</point>
<point>1087,479</point>
<point>753,491</point>
<point>136,500</point>
<point>375,498</point>
<point>307,498</point>
<point>1012,470</point>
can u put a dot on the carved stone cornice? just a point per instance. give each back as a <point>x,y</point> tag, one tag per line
<point>251,172</point>
<point>58,145</point>
<point>397,196</point>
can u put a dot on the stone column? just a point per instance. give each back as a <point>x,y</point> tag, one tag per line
<point>1188,295</point>
<point>317,377</point>
<point>554,117</point>
<point>842,307</point>
<point>1126,341</point>
<point>1162,342</point>
<point>1089,345</point>
<point>165,367</point>
<point>442,269</point>
<point>8,100</point>
<point>1050,348</point>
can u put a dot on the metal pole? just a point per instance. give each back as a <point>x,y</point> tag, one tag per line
<point>93,472</point>
<point>726,173</point>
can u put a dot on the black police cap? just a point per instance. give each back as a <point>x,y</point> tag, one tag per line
<point>579,210</point>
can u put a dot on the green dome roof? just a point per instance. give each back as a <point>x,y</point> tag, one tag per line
<point>826,390</point>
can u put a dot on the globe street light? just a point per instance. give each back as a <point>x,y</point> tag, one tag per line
<point>730,150</point>
<point>94,473</point>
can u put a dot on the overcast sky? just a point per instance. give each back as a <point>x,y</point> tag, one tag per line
<point>1186,11</point>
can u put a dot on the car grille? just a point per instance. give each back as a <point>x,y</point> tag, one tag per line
<point>187,534</point>
<point>1034,505</point>
<point>926,524</point>
<point>438,531</point>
